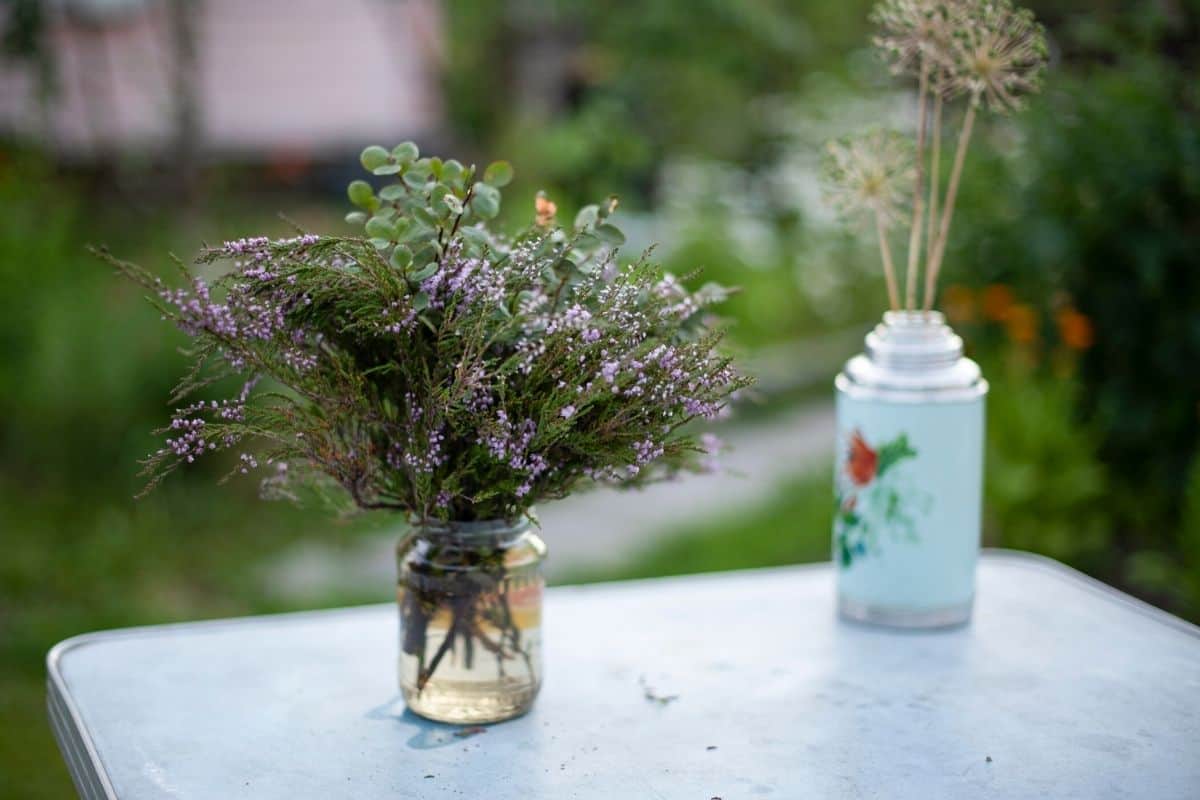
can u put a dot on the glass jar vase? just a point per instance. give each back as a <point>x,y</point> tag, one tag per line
<point>470,597</point>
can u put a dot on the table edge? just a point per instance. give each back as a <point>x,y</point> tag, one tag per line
<point>1040,562</point>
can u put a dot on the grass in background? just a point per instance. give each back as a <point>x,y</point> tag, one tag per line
<point>792,526</point>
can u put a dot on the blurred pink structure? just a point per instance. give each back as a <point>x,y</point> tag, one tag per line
<point>303,77</point>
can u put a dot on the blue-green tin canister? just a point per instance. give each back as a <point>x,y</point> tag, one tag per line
<point>909,476</point>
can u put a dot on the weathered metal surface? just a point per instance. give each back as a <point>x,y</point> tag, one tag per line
<point>1060,687</point>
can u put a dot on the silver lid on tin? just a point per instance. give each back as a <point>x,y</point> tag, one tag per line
<point>913,356</point>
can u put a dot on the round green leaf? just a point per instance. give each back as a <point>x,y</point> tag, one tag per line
<point>380,228</point>
<point>356,217</point>
<point>361,194</point>
<point>374,156</point>
<point>424,272</point>
<point>610,234</point>
<point>401,257</point>
<point>405,152</point>
<point>452,170</point>
<point>475,236</point>
<point>485,201</point>
<point>393,191</point>
<point>388,169</point>
<point>587,216</point>
<point>498,173</point>
<point>587,241</point>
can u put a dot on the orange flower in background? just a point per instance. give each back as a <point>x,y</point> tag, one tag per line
<point>958,302</point>
<point>861,461</point>
<point>1075,329</point>
<point>997,300</point>
<point>1021,323</point>
<point>546,210</point>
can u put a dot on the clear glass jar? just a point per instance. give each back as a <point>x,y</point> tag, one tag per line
<point>470,597</point>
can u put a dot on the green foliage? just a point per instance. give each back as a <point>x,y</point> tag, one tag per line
<point>1098,205</point>
<point>84,367</point>
<point>1045,487</point>
<point>673,78</point>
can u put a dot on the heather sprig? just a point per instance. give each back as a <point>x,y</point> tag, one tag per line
<point>438,367</point>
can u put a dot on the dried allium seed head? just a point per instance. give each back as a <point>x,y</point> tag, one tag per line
<point>870,174</point>
<point>912,33</point>
<point>996,53</point>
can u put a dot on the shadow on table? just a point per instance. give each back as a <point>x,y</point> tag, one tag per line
<point>428,734</point>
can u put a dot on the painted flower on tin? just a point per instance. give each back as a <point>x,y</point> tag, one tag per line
<point>872,497</point>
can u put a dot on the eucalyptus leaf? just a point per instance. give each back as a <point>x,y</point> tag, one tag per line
<point>419,168</point>
<point>420,301</point>
<point>424,255</point>
<point>405,152</point>
<point>388,169</point>
<point>424,272</point>
<point>610,234</point>
<point>361,194</point>
<point>498,173</point>
<point>379,243</point>
<point>425,216</point>
<point>374,156</point>
<point>356,217</point>
<point>485,200</point>
<point>587,241</point>
<point>587,216</point>
<point>393,191</point>
<point>401,257</point>
<point>439,191</point>
<point>380,228</point>
<point>475,236</point>
<point>452,170</point>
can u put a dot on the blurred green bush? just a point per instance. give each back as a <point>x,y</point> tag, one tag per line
<point>85,369</point>
<point>592,97</point>
<point>1095,207</point>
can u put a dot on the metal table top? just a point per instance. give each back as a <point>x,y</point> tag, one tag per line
<point>1060,687</point>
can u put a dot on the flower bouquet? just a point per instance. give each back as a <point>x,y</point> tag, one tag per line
<point>438,368</point>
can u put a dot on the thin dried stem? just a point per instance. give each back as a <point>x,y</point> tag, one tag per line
<point>914,235</point>
<point>889,270</point>
<point>935,175</point>
<point>960,156</point>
